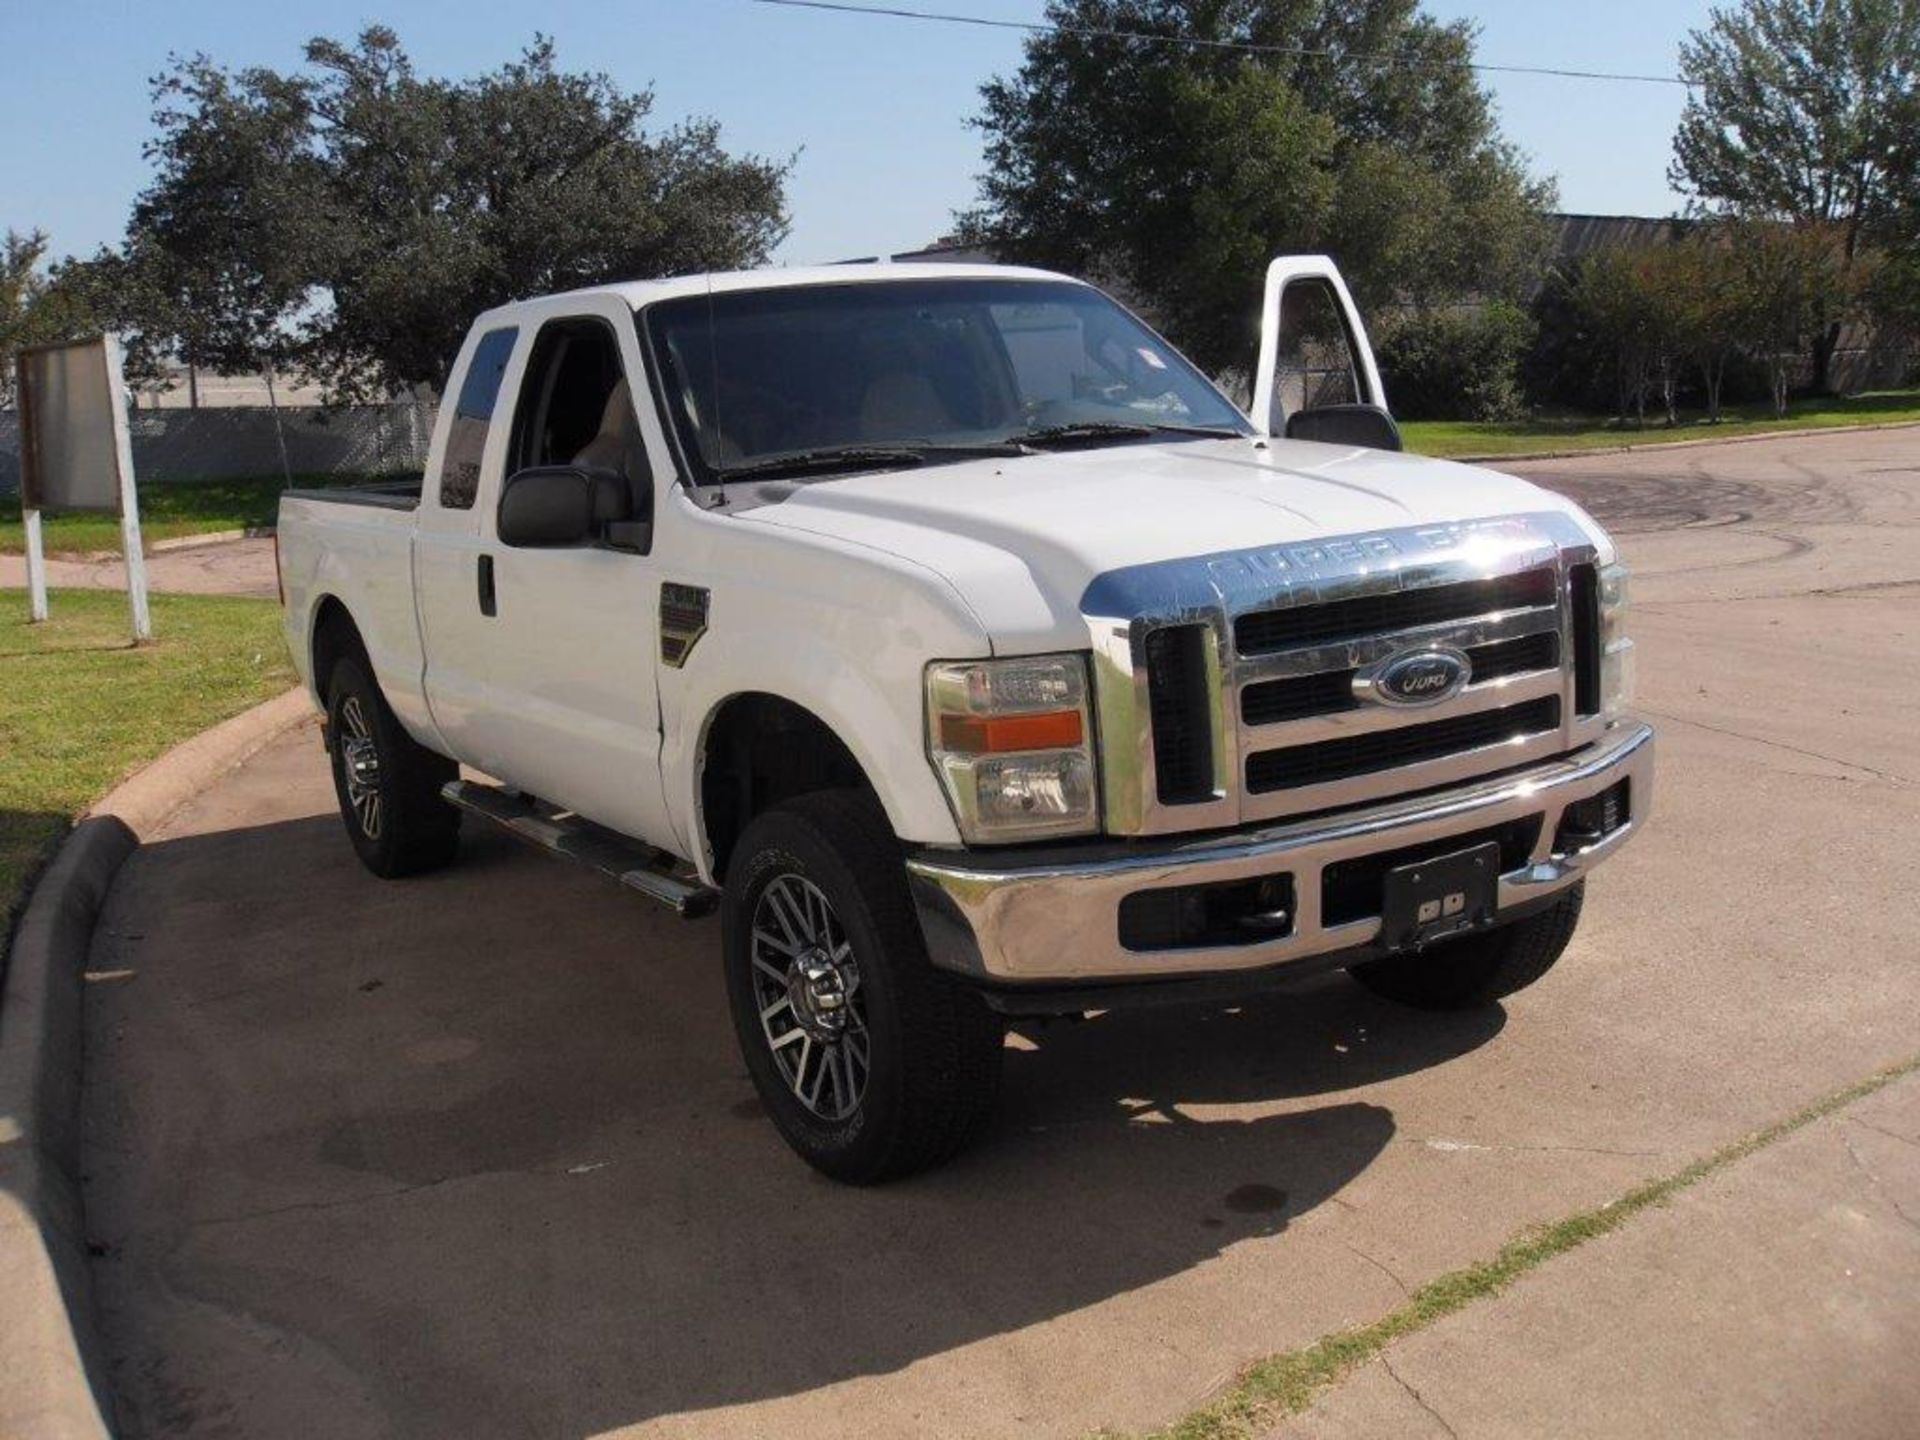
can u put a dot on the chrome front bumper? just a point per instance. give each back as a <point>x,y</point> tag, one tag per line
<point>1047,921</point>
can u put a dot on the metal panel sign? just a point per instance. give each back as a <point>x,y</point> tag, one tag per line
<point>76,453</point>
<point>69,411</point>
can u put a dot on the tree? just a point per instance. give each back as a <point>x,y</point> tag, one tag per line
<point>1790,281</point>
<point>1176,169</point>
<point>1704,291</point>
<point>1458,362</point>
<point>1619,307</point>
<point>36,308</point>
<point>1893,295</point>
<point>371,212</point>
<point>1805,111</point>
<point>22,293</point>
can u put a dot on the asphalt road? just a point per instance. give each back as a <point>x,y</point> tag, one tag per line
<point>474,1155</point>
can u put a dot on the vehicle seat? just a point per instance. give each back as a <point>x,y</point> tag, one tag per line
<point>618,447</point>
<point>903,406</point>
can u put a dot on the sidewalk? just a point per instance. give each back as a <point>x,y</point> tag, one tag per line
<point>1780,1297</point>
<point>233,567</point>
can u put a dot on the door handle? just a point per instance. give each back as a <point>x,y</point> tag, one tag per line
<point>488,603</point>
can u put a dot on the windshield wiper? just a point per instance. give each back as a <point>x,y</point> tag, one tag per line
<point>1117,430</point>
<point>858,457</point>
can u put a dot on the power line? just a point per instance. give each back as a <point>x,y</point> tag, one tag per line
<point>1245,47</point>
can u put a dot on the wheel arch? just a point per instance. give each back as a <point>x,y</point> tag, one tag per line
<point>757,749</point>
<point>331,637</point>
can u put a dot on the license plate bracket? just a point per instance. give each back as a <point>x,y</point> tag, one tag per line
<point>1429,900</point>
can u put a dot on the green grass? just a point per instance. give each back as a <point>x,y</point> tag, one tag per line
<point>81,708</point>
<point>1286,1384</point>
<point>1587,432</point>
<point>167,512</point>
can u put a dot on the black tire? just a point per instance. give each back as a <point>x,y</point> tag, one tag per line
<point>1478,969</point>
<point>400,825</point>
<point>933,1049</point>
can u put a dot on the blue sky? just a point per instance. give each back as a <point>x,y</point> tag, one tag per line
<point>876,107</point>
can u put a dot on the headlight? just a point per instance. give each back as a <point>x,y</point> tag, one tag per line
<point>1616,650</point>
<point>1012,742</point>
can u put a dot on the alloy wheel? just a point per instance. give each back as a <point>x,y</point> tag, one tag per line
<point>360,767</point>
<point>806,986</point>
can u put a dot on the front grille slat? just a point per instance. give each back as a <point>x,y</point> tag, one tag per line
<point>1583,586</point>
<point>1180,712</point>
<point>1263,632</point>
<point>1515,657</point>
<point>1267,702</point>
<point>1271,701</point>
<point>1355,755</point>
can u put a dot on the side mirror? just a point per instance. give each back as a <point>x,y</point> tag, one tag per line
<point>558,505</point>
<point>1367,426</point>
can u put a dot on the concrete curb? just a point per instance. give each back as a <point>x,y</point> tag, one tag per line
<point>147,797</point>
<point>53,1384</point>
<point>167,547</point>
<point>212,537</point>
<point>52,1377</point>
<point>1516,456</point>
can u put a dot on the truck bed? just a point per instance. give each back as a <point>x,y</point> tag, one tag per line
<point>354,544</point>
<point>384,494</point>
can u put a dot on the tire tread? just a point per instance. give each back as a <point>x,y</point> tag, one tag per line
<point>950,1089</point>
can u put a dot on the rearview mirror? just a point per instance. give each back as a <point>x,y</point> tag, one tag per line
<point>1367,426</point>
<point>557,505</point>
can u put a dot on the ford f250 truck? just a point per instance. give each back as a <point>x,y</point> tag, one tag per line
<point>979,659</point>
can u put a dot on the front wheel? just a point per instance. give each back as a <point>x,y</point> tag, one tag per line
<point>871,1063</point>
<point>1478,969</point>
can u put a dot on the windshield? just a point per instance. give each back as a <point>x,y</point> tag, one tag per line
<point>906,372</point>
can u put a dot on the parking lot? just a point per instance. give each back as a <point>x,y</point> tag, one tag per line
<point>475,1154</point>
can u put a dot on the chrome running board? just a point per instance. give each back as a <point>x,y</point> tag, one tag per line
<point>654,873</point>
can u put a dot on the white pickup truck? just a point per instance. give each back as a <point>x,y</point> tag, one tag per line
<point>979,659</point>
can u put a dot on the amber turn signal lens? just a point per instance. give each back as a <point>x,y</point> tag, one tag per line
<point>994,734</point>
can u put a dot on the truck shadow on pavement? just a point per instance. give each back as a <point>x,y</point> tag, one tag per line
<point>475,1154</point>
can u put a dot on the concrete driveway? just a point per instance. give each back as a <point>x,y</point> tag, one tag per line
<point>474,1155</point>
<point>224,567</point>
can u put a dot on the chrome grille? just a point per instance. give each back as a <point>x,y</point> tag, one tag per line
<point>1265,631</point>
<point>1328,760</point>
<point>1327,692</point>
<point>1274,711</point>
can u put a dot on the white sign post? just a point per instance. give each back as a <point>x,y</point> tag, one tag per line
<point>76,453</point>
<point>36,567</point>
<point>129,500</point>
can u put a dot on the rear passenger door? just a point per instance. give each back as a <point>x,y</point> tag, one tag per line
<point>573,714</point>
<point>450,556</point>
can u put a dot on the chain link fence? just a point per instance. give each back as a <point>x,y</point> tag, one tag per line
<point>236,442</point>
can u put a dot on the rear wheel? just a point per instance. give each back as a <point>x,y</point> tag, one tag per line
<point>387,783</point>
<point>1478,969</point>
<point>871,1063</point>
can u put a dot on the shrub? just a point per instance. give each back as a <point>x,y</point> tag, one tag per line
<point>1457,363</point>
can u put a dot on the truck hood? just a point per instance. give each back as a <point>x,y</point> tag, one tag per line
<point>1022,539</point>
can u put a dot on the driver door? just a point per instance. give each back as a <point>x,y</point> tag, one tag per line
<point>1317,378</point>
<point>573,637</point>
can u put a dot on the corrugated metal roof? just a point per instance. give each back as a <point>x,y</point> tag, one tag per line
<point>1577,235</point>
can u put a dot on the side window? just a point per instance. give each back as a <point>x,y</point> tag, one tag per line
<point>575,406</point>
<point>1315,364</point>
<point>472,414</point>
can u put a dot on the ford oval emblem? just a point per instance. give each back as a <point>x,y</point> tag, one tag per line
<point>1415,677</point>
